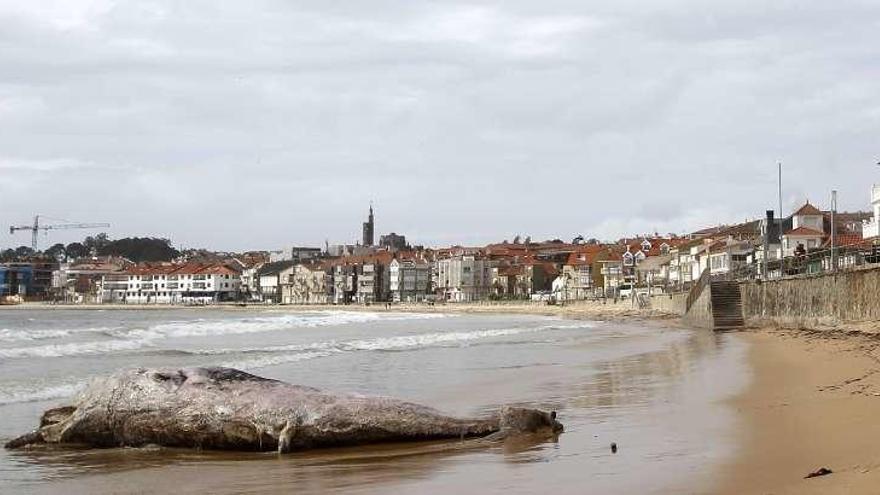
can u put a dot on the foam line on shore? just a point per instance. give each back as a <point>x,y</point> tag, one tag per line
<point>130,339</point>
<point>23,393</point>
<point>273,355</point>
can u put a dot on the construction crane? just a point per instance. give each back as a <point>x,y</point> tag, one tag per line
<point>37,227</point>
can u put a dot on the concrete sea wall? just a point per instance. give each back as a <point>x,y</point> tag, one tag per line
<point>700,314</point>
<point>845,296</point>
<point>673,304</point>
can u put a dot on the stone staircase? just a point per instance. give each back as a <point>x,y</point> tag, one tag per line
<point>726,305</point>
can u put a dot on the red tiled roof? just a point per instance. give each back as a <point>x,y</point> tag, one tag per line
<point>165,268</point>
<point>842,240</point>
<point>805,232</point>
<point>808,209</point>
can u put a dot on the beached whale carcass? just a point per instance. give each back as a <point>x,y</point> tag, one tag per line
<point>224,408</point>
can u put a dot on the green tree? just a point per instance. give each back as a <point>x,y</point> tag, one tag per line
<point>54,251</point>
<point>76,250</point>
<point>139,249</point>
<point>7,255</point>
<point>97,243</point>
<point>23,252</point>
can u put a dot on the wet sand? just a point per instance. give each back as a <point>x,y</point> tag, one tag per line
<point>814,402</point>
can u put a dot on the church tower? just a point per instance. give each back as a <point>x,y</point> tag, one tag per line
<point>368,228</point>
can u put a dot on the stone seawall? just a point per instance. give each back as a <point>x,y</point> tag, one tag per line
<point>700,314</point>
<point>844,296</point>
<point>673,304</point>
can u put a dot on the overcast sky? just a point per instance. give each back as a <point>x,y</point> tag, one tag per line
<point>256,124</point>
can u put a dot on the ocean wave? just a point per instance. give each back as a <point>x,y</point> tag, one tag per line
<point>72,349</point>
<point>273,360</point>
<point>257,357</point>
<point>134,338</point>
<point>273,355</point>
<point>209,328</point>
<point>24,393</point>
<point>10,335</point>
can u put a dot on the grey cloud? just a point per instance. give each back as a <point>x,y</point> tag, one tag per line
<point>251,125</point>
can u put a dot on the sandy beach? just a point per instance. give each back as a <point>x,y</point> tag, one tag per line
<point>813,403</point>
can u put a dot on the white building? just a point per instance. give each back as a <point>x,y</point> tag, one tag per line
<point>871,228</point>
<point>372,282</point>
<point>190,283</point>
<point>409,280</point>
<point>464,278</point>
<point>306,283</point>
<point>250,282</point>
<point>807,230</point>
<point>269,280</point>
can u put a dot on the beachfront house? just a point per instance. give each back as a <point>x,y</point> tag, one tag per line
<point>462,278</point>
<point>307,283</point>
<point>174,283</point>
<point>409,279</point>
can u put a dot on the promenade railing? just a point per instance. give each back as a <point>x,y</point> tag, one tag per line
<point>813,262</point>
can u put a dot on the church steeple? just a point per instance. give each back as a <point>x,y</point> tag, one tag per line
<point>369,227</point>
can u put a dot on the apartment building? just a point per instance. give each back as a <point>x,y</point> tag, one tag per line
<point>463,278</point>
<point>409,280</point>
<point>169,283</point>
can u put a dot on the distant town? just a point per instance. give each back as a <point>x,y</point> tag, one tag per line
<point>99,270</point>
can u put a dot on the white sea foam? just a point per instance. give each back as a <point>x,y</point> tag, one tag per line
<point>273,355</point>
<point>129,339</point>
<point>72,349</point>
<point>35,393</point>
<point>272,360</point>
<point>259,357</point>
<point>204,328</point>
<point>10,335</point>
